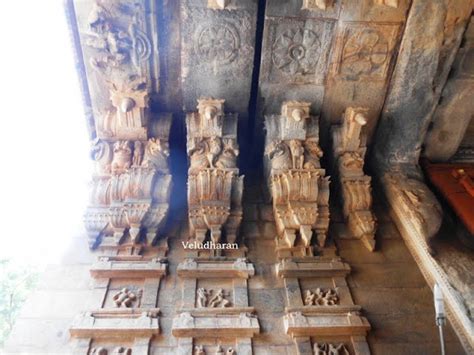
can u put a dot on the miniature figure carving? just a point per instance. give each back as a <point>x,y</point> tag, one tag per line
<point>330,349</point>
<point>122,157</point>
<point>137,153</point>
<point>126,299</point>
<point>212,298</point>
<point>199,350</point>
<point>355,186</point>
<point>214,186</point>
<point>320,297</point>
<point>299,189</point>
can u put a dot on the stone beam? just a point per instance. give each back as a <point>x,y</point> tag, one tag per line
<point>456,107</point>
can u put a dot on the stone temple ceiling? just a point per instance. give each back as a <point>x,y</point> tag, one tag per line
<point>383,55</point>
<point>405,65</point>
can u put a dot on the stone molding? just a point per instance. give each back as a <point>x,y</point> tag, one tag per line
<point>126,267</point>
<point>195,268</point>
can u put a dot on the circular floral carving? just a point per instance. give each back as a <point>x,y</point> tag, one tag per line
<point>218,43</point>
<point>296,51</point>
<point>364,53</point>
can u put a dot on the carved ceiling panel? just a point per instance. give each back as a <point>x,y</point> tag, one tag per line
<point>217,51</point>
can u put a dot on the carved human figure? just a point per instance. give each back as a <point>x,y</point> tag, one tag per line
<point>125,298</point>
<point>279,154</point>
<point>220,350</point>
<point>156,154</point>
<point>218,299</point>
<point>312,154</point>
<point>122,157</point>
<point>215,149</point>
<point>230,351</point>
<point>137,153</point>
<point>321,297</point>
<point>228,158</point>
<point>202,297</point>
<point>297,153</point>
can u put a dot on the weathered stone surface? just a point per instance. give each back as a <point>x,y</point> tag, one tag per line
<point>454,112</point>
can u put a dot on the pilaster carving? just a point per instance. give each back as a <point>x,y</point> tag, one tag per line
<point>214,185</point>
<point>298,185</point>
<point>349,141</point>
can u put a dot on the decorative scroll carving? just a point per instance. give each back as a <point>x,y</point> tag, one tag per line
<point>321,297</point>
<point>298,185</point>
<point>214,185</point>
<point>131,186</point>
<point>212,298</point>
<point>355,187</point>
<point>330,349</point>
<point>317,4</point>
<point>127,299</point>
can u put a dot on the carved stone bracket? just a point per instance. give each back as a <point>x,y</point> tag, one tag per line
<point>349,145</point>
<point>130,190</point>
<point>298,186</point>
<point>214,185</point>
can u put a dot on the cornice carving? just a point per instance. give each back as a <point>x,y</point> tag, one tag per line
<point>298,185</point>
<point>355,187</point>
<point>214,185</point>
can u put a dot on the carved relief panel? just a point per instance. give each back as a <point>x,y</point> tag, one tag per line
<point>298,49</point>
<point>218,38</point>
<point>297,184</point>
<point>215,316</point>
<point>214,185</point>
<point>349,147</point>
<point>120,49</point>
<point>364,51</point>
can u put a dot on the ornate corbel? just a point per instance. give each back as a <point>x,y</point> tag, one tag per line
<point>355,187</point>
<point>297,184</point>
<point>214,185</point>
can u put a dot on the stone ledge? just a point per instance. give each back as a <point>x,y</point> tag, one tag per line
<point>324,310</point>
<point>128,266</point>
<point>314,267</point>
<point>88,325</point>
<point>296,324</point>
<point>243,325</point>
<point>210,312</point>
<point>215,268</point>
